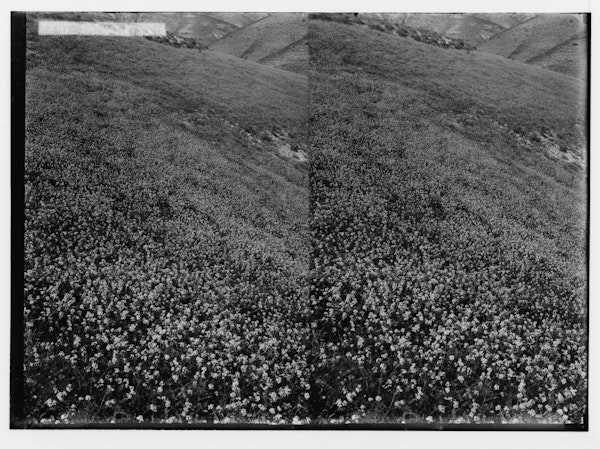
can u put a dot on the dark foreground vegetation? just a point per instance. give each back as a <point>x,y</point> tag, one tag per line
<point>448,279</point>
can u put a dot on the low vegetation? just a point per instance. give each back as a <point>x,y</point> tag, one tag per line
<point>178,41</point>
<point>472,28</point>
<point>278,40</point>
<point>449,279</point>
<point>386,24</point>
<point>174,271</point>
<point>166,250</point>
<point>553,41</point>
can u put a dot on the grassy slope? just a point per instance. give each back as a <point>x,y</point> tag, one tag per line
<point>569,58</point>
<point>449,261</point>
<point>506,20</point>
<point>206,27</point>
<point>277,41</point>
<point>157,225</point>
<point>190,81</point>
<point>537,36</point>
<point>239,19</point>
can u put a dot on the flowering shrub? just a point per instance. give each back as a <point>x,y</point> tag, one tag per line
<point>449,271</point>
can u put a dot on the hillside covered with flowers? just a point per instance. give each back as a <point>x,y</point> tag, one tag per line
<point>398,237</point>
<point>449,273</point>
<point>166,237</point>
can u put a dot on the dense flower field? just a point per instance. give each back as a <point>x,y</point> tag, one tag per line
<point>174,271</point>
<point>448,282</point>
<point>165,265</point>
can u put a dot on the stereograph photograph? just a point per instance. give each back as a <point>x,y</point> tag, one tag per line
<point>301,221</point>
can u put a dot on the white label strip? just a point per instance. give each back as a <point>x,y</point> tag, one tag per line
<point>66,28</point>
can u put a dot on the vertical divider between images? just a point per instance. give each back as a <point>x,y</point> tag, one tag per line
<point>313,354</point>
<point>17,180</point>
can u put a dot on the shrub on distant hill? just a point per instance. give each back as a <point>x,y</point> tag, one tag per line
<point>396,29</point>
<point>178,41</point>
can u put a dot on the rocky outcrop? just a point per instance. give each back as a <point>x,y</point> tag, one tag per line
<point>177,41</point>
<point>396,29</point>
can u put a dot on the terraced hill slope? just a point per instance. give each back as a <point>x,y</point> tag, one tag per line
<point>553,41</point>
<point>550,41</point>
<point>506,20</point>
<point>474,29</point>
<point>207,27</point>
<point>449,244</point>
<point>570,57</point>
<point>279,40</point>
<point>166,233</point>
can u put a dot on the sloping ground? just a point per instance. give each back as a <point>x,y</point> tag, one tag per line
<point>385,23</point>
<point>241,90</point>
<point>166,226</point>
<point>293,58</point>
<point>550,41</point>
<point>278,41</point>
<point>538,36</point>
<point>238,19</point>
<point>468,27</point>
<point>207,27</point>
<point>449,279</point>
<point>570,58</point>
<point>505,20</point>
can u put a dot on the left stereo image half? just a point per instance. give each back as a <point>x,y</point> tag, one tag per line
<point>166,239</point>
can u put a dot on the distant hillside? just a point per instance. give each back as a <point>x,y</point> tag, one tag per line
<point>279,40</point>
<point>386,23</point>
<point>238,19</point>
<point>468,27</point>
<point>506,20</point>
<point>552,41</point>
<point>206,27</point>
<point>570,58</point>
<point>474,29</point>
